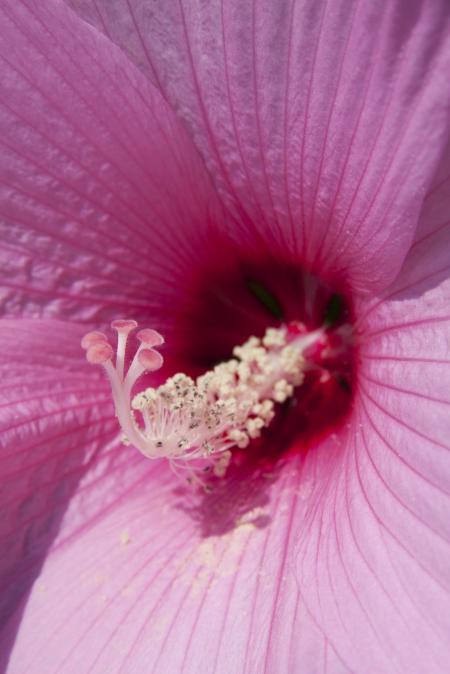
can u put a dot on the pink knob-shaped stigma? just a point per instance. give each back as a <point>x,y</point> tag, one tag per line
<point>150,337</point>
<point>149,359</point>
<point>124,326</point>
<point>92,338</point>
<point>99,353</point>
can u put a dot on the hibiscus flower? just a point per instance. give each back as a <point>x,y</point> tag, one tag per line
<point>211,170</point>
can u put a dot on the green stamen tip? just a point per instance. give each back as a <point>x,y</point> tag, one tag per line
<point>266,298</point>
<point>334,310</point>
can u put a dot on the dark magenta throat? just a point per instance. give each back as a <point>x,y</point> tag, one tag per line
<point>234,297</point>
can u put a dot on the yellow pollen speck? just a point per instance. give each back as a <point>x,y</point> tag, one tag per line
<point>125,537</point>
<point>305,489</point>
<point>248,520</point>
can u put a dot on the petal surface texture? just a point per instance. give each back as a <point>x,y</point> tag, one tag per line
<point>321,122</point>
<point>337,563</point>
<point>103,195</point>
<point>56,419</point>
<point>373,559</point>
<point>334,562</point>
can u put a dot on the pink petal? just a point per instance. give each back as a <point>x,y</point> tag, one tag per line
<point>103,196</point>
<point>373,563</point>
<point>339,564</point>
<point>146,585</point>
<point>322,123</point>
<point>55,417</point>
<point>128,570</point>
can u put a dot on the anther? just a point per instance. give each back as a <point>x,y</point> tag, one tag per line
<point>185,420</point>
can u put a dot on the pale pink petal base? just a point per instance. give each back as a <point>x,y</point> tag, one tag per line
<point>56,420</point>
<point>141,590</point>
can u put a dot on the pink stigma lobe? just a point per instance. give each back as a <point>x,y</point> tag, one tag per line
<point>150,360</point>
<point>99,353</point>
<point>124,326</point>
<point>150,337</point>
<point>94,337</point>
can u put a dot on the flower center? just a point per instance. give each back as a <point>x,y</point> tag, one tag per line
<point>202,420</point>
